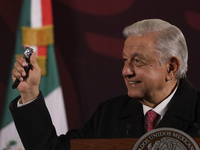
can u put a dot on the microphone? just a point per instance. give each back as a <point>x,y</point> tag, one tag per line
<point>197,128</point>
<point>128,128</point>
<point>27,54</point>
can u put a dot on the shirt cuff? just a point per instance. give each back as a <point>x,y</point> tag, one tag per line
<point>20,105</point>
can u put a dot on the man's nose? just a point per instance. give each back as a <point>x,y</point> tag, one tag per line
<point>128,70</point>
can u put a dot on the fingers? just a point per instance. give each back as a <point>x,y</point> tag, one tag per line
<point>26,45</point>
<point>16,74</point>
<point>18,71</point>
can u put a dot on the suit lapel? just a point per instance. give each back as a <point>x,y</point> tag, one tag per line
<point>181,109</point>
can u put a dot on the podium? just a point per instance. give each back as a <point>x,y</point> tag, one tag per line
<point>107,144</point>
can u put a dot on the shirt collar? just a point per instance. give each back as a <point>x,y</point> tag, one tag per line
<point>162,107</point>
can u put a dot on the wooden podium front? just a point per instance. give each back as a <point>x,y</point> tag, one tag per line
<point>107,144</point>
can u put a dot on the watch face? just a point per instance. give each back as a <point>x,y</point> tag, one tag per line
<point>28,52</point>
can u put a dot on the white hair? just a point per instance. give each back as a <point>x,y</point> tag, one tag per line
<point>169,41</point>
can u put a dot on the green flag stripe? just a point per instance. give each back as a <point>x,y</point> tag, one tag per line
<point>51,81</point>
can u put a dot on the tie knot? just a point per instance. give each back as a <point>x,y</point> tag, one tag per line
<point>151,115</point>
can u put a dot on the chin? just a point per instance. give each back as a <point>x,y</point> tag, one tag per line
<point>134,95</point>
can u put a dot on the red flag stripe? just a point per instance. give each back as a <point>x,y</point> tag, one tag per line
<point>42,50</point>
<point>47,17</point>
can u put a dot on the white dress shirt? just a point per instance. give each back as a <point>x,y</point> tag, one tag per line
<point>160,109</point>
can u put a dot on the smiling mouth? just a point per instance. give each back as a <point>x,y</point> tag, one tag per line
<point>134,82</point>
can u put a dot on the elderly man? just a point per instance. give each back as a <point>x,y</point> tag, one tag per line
<point>155,64</point>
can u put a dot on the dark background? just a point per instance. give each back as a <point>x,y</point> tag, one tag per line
<point>89,42</point>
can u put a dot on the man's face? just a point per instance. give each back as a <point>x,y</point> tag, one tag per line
<point>145,78</point>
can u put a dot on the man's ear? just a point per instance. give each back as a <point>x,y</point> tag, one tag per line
<point>172,67</point>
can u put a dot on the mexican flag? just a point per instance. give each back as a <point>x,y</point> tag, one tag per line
<point>35,29</point>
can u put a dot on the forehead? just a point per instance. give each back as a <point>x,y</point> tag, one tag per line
<point>140,41</point>
<point>142,44</point>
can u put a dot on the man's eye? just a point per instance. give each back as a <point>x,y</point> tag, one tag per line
<point>138,63</point>
<point>124,59</point>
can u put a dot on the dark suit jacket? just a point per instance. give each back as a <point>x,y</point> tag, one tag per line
<point>119,117</point>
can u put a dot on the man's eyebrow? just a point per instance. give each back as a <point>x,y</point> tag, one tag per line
<point>138,55</point>
<point>135,55</point>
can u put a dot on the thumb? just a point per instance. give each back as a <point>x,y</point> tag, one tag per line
<point>33,60</point>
